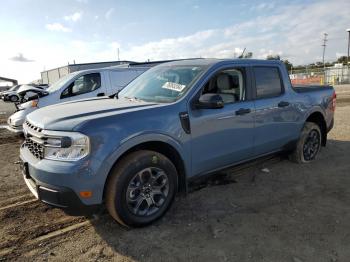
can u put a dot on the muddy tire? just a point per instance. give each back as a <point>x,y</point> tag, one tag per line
<point>141,188</point>
<point>309,144</point>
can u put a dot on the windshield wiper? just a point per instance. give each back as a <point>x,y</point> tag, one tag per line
<point>115,95</point>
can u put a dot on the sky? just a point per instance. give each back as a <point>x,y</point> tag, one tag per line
<point>36,35</point>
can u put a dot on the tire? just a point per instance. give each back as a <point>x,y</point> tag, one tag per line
<point>13,98</point>
<point>141,188</point>
<point>309,144</point>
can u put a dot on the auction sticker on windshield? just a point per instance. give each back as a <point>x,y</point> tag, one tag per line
<point>173,86</point>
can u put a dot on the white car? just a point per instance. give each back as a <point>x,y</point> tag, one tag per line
<point>78,85</point>
<point>11,94</point>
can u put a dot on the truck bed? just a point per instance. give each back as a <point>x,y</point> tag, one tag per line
<point>310,88</point>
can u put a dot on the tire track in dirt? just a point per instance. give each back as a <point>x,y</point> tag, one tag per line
<point>31,223</point>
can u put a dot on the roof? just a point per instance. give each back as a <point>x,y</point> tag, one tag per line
<point>212,61</point>
<point>106,62</point>
<point>5,79</point>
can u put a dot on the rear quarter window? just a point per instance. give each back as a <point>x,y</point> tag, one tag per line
<point>268,82</point>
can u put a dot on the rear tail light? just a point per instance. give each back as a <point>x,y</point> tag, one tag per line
<point>334,100</point>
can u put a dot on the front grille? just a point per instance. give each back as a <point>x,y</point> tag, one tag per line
<point>35,148</point>
<point>33,140</point>
<point>32,127</point>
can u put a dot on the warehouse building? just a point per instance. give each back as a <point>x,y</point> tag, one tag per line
<point>52,75</point>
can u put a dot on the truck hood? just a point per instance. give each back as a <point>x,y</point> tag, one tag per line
<point>66,116</point>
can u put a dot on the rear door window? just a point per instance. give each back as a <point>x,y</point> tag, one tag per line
<point>268,82</point>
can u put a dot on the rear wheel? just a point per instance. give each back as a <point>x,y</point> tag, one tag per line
<point>309,144</point>
<point>141,188</point>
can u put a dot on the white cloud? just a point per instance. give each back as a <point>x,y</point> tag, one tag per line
<point>57,27</point>
<point>109,13</point>
<point>73,17</point>
<point>263,6</point>
<point>115,45</point>
<point>293,31</point>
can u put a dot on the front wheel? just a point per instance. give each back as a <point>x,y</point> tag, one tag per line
<point>14,98</point>
<point>309,144</point>
<point>141,188</point>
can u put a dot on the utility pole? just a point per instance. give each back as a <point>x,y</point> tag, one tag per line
<point>118,53</point>
<point>348,30</point>
<point>324,49</point>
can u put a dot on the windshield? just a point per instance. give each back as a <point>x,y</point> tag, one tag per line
<point>14,88</point>
<point>59,83</point>
<point>164,84</point>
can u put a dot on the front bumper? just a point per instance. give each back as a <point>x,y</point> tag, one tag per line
<point>16,120</point>
<point>56,188</point>
<point>14,129</point>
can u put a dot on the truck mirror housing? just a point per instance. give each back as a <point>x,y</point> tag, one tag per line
<point>209,101</point>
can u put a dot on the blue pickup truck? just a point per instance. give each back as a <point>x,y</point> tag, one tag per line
<point>178,121</point>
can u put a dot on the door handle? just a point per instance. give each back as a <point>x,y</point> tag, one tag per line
<point>101,94</point>
<point>283,104</point>
<point>243,111</point>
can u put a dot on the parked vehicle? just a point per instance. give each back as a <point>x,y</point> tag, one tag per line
<point>74,86</point>
<point>19,93</point>
<point>11,94</point>
<point>27,91</point>
<point>176,122</point>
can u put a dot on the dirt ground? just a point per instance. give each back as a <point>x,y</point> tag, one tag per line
<point>273,211</point>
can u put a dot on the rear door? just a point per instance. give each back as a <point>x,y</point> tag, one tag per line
<point>222,137</point>
<point>84,86</point>
<point>275,115</point>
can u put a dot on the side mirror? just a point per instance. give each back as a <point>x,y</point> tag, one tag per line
<point>209,101</point>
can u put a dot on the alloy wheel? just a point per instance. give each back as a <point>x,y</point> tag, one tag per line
<point>147,191</point>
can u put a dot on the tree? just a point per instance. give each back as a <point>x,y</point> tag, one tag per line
<point>273,57</point>
<point>343,60</point>
<point>288,65</point>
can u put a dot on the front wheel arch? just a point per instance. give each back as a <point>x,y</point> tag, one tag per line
<point>163,148</point>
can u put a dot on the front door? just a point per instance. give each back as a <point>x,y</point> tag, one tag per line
<point>85,86</point>
<point>222,137</point>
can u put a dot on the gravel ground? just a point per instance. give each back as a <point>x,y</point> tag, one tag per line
<point>272,212</point>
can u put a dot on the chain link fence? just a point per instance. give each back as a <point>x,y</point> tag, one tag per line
<point>336,75</point>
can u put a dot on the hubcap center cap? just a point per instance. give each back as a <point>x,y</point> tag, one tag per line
<point>147,189</point>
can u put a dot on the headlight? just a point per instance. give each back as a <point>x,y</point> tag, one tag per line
<point>66,146</point>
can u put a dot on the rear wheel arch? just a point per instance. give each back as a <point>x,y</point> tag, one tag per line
<point>318,118</point>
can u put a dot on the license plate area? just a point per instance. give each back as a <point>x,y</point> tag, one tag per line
<point>28,180</point>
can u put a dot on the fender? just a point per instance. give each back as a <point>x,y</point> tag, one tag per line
<point>137,139</point>
<point>314,109</point>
